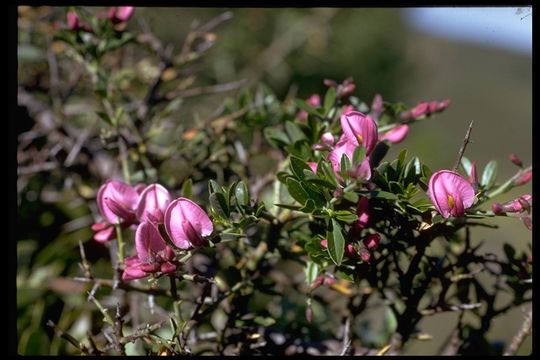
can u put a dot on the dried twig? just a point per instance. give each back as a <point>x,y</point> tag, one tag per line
<point>520,336</point>
<point>466,141</point>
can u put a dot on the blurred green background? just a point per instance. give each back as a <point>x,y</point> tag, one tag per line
<point>294,50</point>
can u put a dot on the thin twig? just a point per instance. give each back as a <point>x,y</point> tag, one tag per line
<point>466,140</point>
<point>64,335</point>
<point>347,348</point>
<point>520,336</point>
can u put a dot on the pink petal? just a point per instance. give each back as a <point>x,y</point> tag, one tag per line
<point>132,269</point>
<point>123,194</point>
<point>372,241</point>
<point>124,13</point>
<point>396,135</point>
<point>360,129</point>
<point>153,202</point>
<point>168,268</point>
<point>148,242</point>
<point>343,146</point>
<point>363,213</point>
<point>117,209</point>
<point>313,166</point>
<point>105,235</point>
<point>363,171</point>
<point>186,223</point>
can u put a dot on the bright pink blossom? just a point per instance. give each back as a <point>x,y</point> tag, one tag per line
<point>518,205</point>
<point>313,166</point>
<point>450,193</point>
<point>371,241</point>
<point>153,202</point>
<point>396,135</point>
<point>187,224</point>
<point>153,254</point>
<point>315,101</point>
<point>327,138</point>
<point>360,130</point>
<point>362,171</point>
<point>117,200</point>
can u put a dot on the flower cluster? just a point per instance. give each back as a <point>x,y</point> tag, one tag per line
<point>146,209</point>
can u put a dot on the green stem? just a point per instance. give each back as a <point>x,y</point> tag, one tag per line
<point>120,240</point>
<point>508,185</point>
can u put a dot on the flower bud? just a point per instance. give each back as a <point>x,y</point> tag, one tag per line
<point>327,138</point>
<point>515,159</point>
<point>523,179</point>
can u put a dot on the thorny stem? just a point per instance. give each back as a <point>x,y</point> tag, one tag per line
<point>466,140</point>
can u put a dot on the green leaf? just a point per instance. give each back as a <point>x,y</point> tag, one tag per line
<point>466,164</point>
<point>345,165</point>
<point>297,191</point>
<point>329,100</point>
<point>294,132</point>
<point>289,206</point>
<point>345,215</point>
<point>306,107</point>
<point>359,155</point>
<point>384,195</point>
<point>326,169</point>
<point>336,243</point>
<point>264,321</point>
<point>186,188</point>
<point>219,204</point>
<point>214,187</point>
<point>104,117</point>
<point>276,137</point>
<point>312,271</point>
<point>309,207</point>
<point>298,166</point>
<point>242,194</point>
<point>489,175</point>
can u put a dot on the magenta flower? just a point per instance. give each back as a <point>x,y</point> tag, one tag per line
<point>327,138</point>
<point>153,202</point>
<point>153,254</point>
<point>186,223</point>
<point>396,135</point>
<point>450,193</point>
<point>360,130</point>
<point>117,201</point>
<point>518,205</point>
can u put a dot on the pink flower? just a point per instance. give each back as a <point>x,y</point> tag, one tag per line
<point>347,109</point>
<point>396,135</point>
<point>360,130</point>
<point>117,201</point>
<point>420,110</point>
<point>450,193</point>
<point>153,254</point>
<point>121,13</point>
<point>153,202</point>
<point>424,108</point>
<point>327,138</point>
<point>73,21</point>
<point>524,178</point>
<point>186,223</point>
